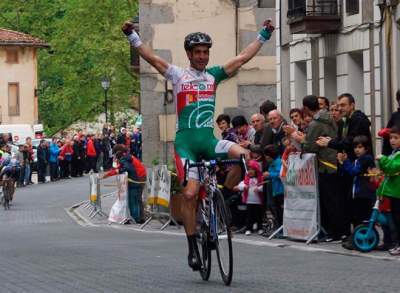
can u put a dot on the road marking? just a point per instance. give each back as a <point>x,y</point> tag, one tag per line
<point>82,221</point>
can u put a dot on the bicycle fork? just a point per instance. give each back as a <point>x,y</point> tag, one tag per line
<point>213,222</point>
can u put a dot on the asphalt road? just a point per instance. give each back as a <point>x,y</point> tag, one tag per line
<point>43,250</point>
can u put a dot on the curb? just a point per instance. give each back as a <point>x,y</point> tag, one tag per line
<point>82,221</point>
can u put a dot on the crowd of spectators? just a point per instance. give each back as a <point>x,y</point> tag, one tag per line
<point>70,155</point>
<point>340,136</point>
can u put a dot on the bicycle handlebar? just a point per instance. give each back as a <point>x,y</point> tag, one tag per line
<point>212,164</point>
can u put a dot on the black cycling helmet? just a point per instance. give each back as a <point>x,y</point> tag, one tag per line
<point>198,38</point>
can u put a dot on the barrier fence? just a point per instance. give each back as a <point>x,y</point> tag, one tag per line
<point>155,197</point>
<point>301,213</point>
<point>158,191</point>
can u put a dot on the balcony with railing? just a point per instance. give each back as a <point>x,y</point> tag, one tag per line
<point>314,16</point>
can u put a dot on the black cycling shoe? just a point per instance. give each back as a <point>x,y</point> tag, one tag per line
<point>194,255</point>
<point>194,261</point>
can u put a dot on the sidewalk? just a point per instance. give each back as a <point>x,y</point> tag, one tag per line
<point>81,214</point>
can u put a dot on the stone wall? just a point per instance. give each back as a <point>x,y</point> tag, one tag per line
<point>163,26</point>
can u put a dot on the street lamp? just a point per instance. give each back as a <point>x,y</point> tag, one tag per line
<point>105,84</point>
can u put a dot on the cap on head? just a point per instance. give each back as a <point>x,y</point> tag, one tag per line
<point>195,39</point>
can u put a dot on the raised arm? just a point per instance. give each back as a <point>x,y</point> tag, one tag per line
<point>144,51</point>
<point>251,50</point>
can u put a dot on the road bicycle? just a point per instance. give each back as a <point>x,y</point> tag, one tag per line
<point>7,191</point>
<point>214,218</point>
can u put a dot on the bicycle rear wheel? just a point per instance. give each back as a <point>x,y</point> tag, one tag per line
<point>205,253</point>
<point>223,242</point>
<point>7,194</point>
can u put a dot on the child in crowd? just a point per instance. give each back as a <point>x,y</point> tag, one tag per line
<point>274,168</point>
<point>289,148</point>
<point>251,188</point>
<point>224,124</point>
<point>363,193</point>
<point>390,187</point>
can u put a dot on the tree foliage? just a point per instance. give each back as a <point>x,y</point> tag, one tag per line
<point>86,44</point>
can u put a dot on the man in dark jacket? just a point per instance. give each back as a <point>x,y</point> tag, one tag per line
<point>266,138</point>
<point>330,202</point>
<point>355,123</point>
<point>77,157</point>
<point>135,189</point>
<point>43,155</point>
<point>277,123</point>
<point>394,120</point>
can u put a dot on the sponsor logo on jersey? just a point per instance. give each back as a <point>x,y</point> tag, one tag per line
<point>189,86</point>
<point>202,116</point>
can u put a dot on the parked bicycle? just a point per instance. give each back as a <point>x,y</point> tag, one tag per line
<point>214,219</point>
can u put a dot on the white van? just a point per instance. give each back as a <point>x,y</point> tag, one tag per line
<point>19,132</point>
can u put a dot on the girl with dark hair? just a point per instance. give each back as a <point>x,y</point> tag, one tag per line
<point>251,188</point>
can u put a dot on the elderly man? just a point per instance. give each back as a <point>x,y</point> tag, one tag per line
<point>276,122</point>
<point>258,123</point>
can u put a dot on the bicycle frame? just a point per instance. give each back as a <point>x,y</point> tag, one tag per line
<point>215,221</point>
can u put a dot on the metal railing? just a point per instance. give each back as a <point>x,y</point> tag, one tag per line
<point>325,8</point>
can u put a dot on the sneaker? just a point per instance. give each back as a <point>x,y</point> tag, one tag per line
<point>384,247</point>
<point>333,239</point>
<point>248,232</point>
<point>260,232</point>
<point>395,251</point>
<point>348,244</point>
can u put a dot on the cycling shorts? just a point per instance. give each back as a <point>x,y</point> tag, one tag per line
<point>198,144</point>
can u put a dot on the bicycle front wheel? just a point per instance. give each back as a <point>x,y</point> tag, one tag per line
<point>205,253</point>
<point>223,242</point>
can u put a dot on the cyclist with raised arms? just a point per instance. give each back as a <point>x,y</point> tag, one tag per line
<point>194,90</point>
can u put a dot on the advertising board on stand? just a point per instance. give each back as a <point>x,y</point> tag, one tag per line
<point>301,219</point>
<point>160,186</point>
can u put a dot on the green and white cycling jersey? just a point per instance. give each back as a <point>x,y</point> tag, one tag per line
<point>194,92</point>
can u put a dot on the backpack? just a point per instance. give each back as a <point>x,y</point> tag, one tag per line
<point>139,167</point>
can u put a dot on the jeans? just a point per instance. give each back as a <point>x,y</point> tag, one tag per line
<point>135,201</point>
<point>254,216</point>
<point>42,166</point>
<point>53,170</point>
<point>27,174</point>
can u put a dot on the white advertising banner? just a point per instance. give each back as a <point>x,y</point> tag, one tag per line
<point>160,186</point>
<point>119,212</point>
<point>300,216</point>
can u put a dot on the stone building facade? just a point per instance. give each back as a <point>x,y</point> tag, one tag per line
<point>336,47</point>
<point>232,26</point>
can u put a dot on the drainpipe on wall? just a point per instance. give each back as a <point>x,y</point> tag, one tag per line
<point>237,26</point>
<point>385,56</point>
<point>372,83</point>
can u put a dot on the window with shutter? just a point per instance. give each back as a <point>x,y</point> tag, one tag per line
<point>13,99</point>
<point>12,55</point>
